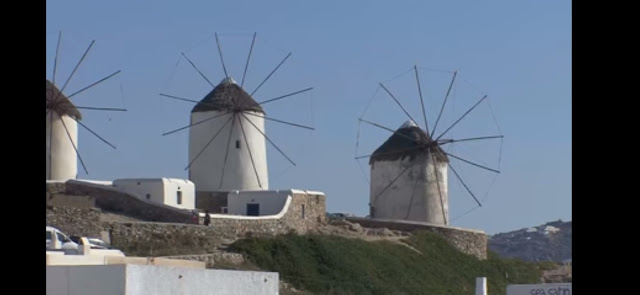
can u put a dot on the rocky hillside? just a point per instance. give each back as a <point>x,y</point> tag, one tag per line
<point>547,242</point>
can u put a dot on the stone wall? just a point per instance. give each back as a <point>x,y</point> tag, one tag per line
<point>63,200</point>
<point>468,241</point>
<point>315,211</point>
<point>76,221</point>
<point>219,257</point>
<point>181,237</point>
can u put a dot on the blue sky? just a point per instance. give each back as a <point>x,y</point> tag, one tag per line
<point>516,52</point>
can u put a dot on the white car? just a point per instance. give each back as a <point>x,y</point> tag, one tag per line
<point>67,244</point>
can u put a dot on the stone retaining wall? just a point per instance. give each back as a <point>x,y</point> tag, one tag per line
<point>472,242</point>
<point>112,200</point>
<point>218,257</point>
<point>179,237</point>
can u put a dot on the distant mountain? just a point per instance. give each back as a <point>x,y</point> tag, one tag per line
<point>547,242</point>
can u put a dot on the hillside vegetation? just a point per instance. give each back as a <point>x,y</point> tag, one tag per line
<point>326,264</point>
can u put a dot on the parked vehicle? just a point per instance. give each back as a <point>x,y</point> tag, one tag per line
<point>95,243</point>
<point>65,241</point>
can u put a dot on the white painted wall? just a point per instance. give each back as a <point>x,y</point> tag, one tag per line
<point>548,289</point>
<point>143,279</point>
<point>61,156</point>
<point>239,174</point>
<point>271,202</point>
<point>281,214</point>
<point>85,280</point>
<point>396,202</point>
<point>158,280</point>
<point>160,190</point>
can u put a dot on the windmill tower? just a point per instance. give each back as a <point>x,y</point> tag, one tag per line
<point>227,137</point>
<point>409,172</point>
<point>62,135</point>
<point>63,118</point>
<point>421,192</point>
<point>245,152</point>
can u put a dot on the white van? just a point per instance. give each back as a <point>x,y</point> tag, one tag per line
<point>67,244</point>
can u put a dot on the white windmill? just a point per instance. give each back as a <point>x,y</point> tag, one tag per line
<point>409,172</point>
<point>63,118</point>
<point>227,138</point>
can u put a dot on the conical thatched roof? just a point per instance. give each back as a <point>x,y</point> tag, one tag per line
<point>60,103</point>
<point>227,96</point>
<point>405,143</point>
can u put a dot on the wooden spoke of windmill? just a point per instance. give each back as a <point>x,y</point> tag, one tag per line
<point>63,117</point>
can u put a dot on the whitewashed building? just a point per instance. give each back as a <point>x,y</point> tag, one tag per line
<point>262,203</point>
<point>62,135</point>
<point>179,193</point>
<point>409,178</point>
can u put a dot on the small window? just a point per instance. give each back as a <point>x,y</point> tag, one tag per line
<point>225,210</point>
<point>148,196</point>
<point>237,144</point>
<point>48,235</point>
<point>302,211</point>
<point>179,196</point>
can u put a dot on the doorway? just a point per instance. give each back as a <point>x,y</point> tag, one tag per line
<point>253,209</point>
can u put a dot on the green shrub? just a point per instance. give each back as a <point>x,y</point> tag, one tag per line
<point>334,265</point>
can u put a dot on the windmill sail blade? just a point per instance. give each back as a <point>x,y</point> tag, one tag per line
<point>208,143</point>
<point>55,59</point>
<point>226,154</point>
<point>74,147</point>
<point>92,132</point>
<point>435,172</point>
<point>285,96</point>
<point>179,98</point>
<point>74,70</point>
<point>465,185</point>
<point>445,102</point>
<point>102,109</point>
<point>388,129</point>
<point>462,117</point>
<point>447,141</point>
<point>246,143</point>
<point>187,100</point>
<point>194,124</point>
<point>398,102</point>
<point>246,66</point>
<point>93,84</point>
<point>269,76</point>
<point>50,113</point>
<point>222,59</point>
<point>424,113</point>
<point>280,121</point>
<point>472,163</point>
<point>265,136</point>
<point>197,70</point>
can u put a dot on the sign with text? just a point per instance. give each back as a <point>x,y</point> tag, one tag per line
<point>541,289</point>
